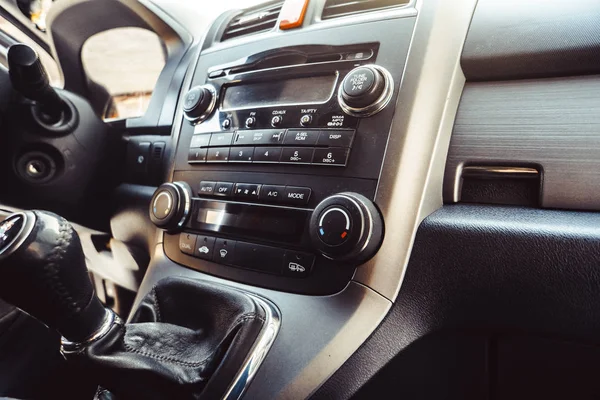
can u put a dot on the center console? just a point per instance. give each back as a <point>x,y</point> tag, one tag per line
<point>276,140</point>
<point>279,157</point>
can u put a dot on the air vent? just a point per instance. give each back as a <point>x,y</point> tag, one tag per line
<point>252,21</point>
<point>342,8</point>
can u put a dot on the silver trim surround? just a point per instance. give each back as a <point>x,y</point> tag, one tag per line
<point>110,318</point>
<point>379,104</point>
<point>259,350</point>
<point>410,184</point>
<point>187,204</point>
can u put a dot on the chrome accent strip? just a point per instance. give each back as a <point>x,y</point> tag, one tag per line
<point>211,106</point>
<point>110,319</point>
<point>484,171</point>
<point>186,206</point>
<point>379,104</point>
<point>259,350</point>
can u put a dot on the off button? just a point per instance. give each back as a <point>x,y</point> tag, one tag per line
<point>297,195</point>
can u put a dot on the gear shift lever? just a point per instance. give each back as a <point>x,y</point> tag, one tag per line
<point>43,272</point>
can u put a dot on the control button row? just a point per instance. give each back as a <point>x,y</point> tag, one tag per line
<point>336,156</point>
<point>256,257</point>
<point>292,195</point>
<point>291,137</point>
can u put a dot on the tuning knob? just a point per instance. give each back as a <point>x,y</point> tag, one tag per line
<point>346,227</point>
<point>170,206</point>
<point>365,91</point>
<point>199,102</point>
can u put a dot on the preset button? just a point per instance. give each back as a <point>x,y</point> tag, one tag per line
<point>267,154</point>
<point>218,154</point>
<point>295,155</point>
<point>197,155</point>
<point>333,156</point>
<point>241,154</point>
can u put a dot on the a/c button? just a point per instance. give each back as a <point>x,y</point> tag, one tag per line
<point>272,193</point>
<point>296,195</point>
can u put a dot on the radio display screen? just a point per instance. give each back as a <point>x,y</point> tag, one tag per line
<point>309,90</point>
<point>285,225</point>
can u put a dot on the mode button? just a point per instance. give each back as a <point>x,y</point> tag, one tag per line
<point>297,195</point>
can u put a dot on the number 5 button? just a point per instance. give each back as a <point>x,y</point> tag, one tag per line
<point>267,154</point>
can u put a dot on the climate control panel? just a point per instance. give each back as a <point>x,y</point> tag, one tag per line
<point>341,232</point>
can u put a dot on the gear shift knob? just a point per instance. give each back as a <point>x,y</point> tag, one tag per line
<point>43,272</point>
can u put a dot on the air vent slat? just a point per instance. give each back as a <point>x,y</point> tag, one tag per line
<point>253,21</point>
<point>342,8</point>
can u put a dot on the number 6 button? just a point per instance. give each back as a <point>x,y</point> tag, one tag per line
<point>267,154</point>
<point>331,156</point>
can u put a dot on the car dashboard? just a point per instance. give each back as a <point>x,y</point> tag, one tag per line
<point>378,172</point>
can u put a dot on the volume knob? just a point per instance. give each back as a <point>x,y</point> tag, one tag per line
<point>199,102</point>
<point>366,90</point>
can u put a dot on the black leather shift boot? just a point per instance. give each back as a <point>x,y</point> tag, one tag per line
<point>187,340</point>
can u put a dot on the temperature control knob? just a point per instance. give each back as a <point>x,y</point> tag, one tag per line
<point>170,205</point>
<point>346,227</point>
<point>199,102</point>
<point>366,90</point>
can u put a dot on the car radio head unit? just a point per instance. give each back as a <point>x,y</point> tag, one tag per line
<point>279,155</point>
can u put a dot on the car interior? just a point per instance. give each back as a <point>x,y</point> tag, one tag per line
<point>293,199</point>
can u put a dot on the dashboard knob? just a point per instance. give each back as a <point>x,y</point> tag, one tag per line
<point>199,102</point>
<point>366,90</point>
<point>170,205</point>
<point>346,227</point>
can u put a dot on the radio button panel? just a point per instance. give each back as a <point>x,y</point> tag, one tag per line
<point>319,140</point>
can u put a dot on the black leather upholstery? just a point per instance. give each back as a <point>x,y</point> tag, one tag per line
<point>184,333</point>
<point>46,276</point>
<point>492,269</point>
